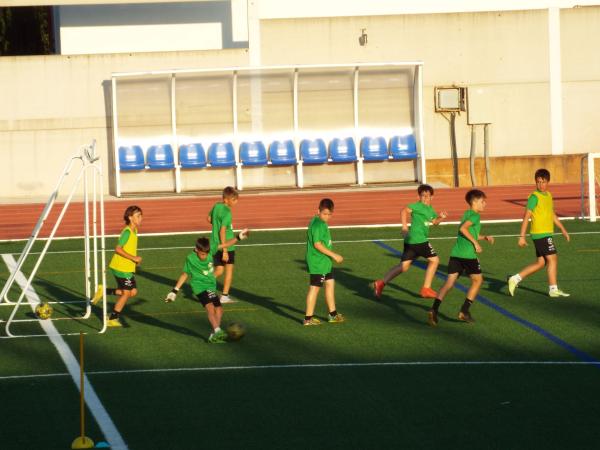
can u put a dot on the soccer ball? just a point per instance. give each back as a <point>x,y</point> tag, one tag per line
<point>43,311</point>
<point>235,331</point>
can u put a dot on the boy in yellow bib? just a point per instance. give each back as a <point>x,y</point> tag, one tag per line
<point>540,209</point>
<point>123,265</point>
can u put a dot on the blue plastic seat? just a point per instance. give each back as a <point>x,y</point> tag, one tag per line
<point>131,158</point>
<point>313,151</point>
<point>160,157</point>
<point>253,154</point>
<point>342,150</point>
<point>403,147</point>
<point>374,149</point>
<point>221,154</point>
<point>192,156</point>
<point>282,153</point>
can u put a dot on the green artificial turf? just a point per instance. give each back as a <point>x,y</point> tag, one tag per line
<point>382,378</point>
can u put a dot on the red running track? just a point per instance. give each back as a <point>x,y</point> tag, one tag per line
<point>281,210</point>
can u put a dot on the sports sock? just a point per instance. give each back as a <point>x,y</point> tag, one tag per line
<point>217,329</point>
<point>436,304</point>
<point>333,313</point>
<point>223,294</point>
<point>517,278</point>
<point>111,291</point>
<point>307,317</point>
<point>466,305</point>
<point>553,287</point>
<point>114,315</point>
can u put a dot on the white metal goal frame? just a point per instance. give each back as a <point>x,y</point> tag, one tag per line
<point>89,173</point>
<point>591,181</point>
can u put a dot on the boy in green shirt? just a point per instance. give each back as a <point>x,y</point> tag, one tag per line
<point>540,209</point>
<point>318,259</point>
<point>199,268</point>
<point>463,257</point>
<point>416,242</point>
<point>222,230</point>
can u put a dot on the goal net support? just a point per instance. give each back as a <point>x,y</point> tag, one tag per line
<point>589,180</point>
<point>84,170</point>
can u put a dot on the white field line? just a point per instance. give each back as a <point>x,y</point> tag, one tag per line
<point>112,435</point>
<point>381,225</point>
<point>313,366</point>
<point>275,244</point>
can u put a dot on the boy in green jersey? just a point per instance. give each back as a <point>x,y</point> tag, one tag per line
<point>540,209</point>
<point>318,259</point>
<point>123,265</point>
<point>199,268</point>
<point>222,230</point>
<point>416,242</point>
<point>463,257</point>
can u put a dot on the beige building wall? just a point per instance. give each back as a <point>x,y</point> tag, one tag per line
<point>51,105</point>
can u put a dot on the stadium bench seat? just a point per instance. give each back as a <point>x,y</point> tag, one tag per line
<point>160,157</point>
<point>221,154</point>
<point>253,154</point>
<point>342,150</point>
<point>313,151</point>
<point>403,147</point>
<point>374,149</point>
<point>192,156</point>
<point>282,153</point>
<point>131,158</point>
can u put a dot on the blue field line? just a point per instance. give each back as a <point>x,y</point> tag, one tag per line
<point>487,302</point>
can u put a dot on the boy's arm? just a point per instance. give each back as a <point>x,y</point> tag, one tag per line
<point>562,228</point>
<point>440,218</point>
<point>404,217</point>
<point>240,237</point>
<point>486,237</point>
<point>522,242</point>
<point>171,296</point>
<point>222,240</point>
<point>464,229</point>
<point>121,252</point>
<point>337,258</point>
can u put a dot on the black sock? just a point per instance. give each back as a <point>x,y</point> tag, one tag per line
<point>333,313</point>
<point>111,291</point>
<point>225,294</point>
<point>114,315</point>
<point>436,304</point>
<point>307,317</point>
<point>466,305</point>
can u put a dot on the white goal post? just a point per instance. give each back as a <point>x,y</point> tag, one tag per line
<point>588,183</point>
<point>88,173</point>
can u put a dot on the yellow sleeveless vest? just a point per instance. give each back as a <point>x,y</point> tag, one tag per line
<point>122,264</point>
<point>542,216</point>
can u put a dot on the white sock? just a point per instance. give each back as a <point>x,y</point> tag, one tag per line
<point>517,278</point>
<point>217,329</point>
<point>553,287</point>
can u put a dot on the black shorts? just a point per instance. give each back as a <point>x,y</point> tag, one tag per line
<point>126,284</point>
<point>207,297</point>
<point>318,279</point>
<point>413,251</point>
<point>460,265</point>
<point>544,246</point>
<point>218,258</point>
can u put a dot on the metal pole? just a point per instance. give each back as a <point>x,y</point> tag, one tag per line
<point>472,155</point>
<point>486,152</point>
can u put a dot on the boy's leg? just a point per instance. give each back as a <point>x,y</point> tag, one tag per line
<point>448,285</point>
<point>432,265</point>
<point>476,282</point>
<point>514,280</point>
<point>213,319</point>
<point>378,285</point>
<point>333,316</point>
<point>552,270</point>
<point>227,280</point>
<point>311,301</point>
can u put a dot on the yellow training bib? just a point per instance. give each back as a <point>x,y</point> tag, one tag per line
<point>542,216</point>
<point>123,264</point>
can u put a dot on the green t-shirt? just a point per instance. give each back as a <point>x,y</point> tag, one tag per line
<point>463,247</point>
<point>318,263</point>
<point>123,238</point>
<point>200,272</point>
<point>220,215</point>
<point>420,221</point>
<point>532,202</point>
